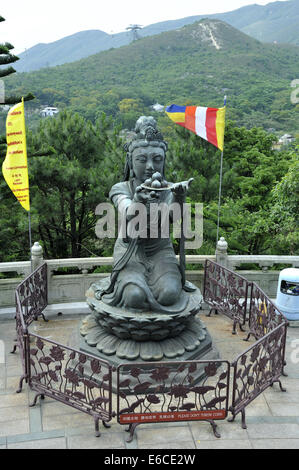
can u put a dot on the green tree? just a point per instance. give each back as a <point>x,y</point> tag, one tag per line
<point>251,169</point>
<point>14,225</point>
<point>7,58</point>
<point>67,186</point>
<point>284,210</point>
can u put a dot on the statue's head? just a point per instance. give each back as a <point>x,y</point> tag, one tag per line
<point>146,151</point>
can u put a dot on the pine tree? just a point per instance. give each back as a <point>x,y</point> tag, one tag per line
<point>68,184</point>
<point>7,58</point>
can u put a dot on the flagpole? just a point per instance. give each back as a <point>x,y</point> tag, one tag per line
<point>30,238</point>
<point>220,189</point>
<point>15,125</point>
<point>219,197</point>
<point>29,212</point>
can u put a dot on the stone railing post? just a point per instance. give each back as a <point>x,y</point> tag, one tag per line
<point>221,253</point>
<point>37,255</point>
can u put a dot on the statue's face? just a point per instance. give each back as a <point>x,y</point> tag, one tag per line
<point>146,161</point>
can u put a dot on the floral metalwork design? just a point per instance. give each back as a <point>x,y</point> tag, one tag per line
<point>33,294</point>
<point>157,391</point>
<point>263,315</point>
<point>258,368</point>
<point>226,292</point>
<point>171,391</point>
<point>31,299</point>
<point>21,342</point>
<point>72,377</point>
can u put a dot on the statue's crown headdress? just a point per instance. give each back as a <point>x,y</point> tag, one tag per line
<point>146,133</point>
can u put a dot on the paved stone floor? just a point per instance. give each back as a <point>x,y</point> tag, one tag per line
<point>272,419</point>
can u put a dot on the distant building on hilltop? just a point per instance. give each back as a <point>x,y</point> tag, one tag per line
<point>158,107</point>
<point>286,139</point>
<point>49,111</point>
<point>283,141</point>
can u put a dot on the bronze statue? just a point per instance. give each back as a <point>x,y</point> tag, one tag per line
<point>146,273</point>
<point>146,310</point>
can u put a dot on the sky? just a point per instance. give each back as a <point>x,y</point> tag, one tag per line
<point>34,21</point>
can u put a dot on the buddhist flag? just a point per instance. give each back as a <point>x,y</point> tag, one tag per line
<point>14,167</point>
<point>207,123</point>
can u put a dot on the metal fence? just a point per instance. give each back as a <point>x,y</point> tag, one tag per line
<point>31,299</point>
<point>79,380</point>
<point>33,294</point>
<point>226,292</point>
<point>21,342</point>
<point>264,316</point>
<point>150,392</point>
<point>258,368</point>
<point>172,391</point>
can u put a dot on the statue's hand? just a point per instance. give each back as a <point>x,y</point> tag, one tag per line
<point>140,195</point>
<point>180,189</point>
<point>144,196</point>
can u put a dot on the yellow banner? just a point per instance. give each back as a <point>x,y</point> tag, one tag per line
<point>14,167</point>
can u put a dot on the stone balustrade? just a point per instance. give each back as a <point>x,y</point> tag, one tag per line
<point>264,261</point>
<point>66,288</point>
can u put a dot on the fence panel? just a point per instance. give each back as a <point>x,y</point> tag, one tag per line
<point>257,368</point>
<point>74,378</point>
<point>22,342</point>
<point>226,292</point>
<point>169,391</point>
<point>33,294</point>
<point>263,315</point>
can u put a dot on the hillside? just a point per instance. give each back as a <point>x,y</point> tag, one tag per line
<point>277,21</point>
<point>196,64</point>
<point>69,49</point>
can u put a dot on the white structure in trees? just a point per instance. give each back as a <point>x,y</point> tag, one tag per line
<point>49,111</point>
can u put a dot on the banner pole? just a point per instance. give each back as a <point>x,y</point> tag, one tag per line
<point>220,187</point>
<point>219,197</point>
<point>30,238</point>
<point>182,245</point>
<point>29,212</point>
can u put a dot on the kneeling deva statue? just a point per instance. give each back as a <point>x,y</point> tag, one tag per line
<point>145,309</point>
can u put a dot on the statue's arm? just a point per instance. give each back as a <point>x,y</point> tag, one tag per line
<point>179,190</point>
<point>128,209</point>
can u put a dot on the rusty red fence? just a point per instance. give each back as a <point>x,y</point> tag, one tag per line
<point>172,391</point>
<point>157,391</point>
<point>264,316</point>
<point>79,380</point>
<point>21,342</point>
<point>31,299</point>
<point>258,368</point>
<point>74,378</point>
<point>33,294</point>
<point>226,292</point>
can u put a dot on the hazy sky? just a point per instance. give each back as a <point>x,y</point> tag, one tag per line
<point>33,21</point>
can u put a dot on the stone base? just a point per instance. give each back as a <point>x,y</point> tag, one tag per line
<point>148,338</point>
<point>144,325</point>
<point>149,351</point>
<point>104,344</point>
<point>195,343</point>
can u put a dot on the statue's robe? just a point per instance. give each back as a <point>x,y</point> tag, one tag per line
<point>152,265</point>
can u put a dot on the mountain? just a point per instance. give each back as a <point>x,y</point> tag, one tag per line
<point>278,21</point>
<point>195,64</point>
<point>68,49</point>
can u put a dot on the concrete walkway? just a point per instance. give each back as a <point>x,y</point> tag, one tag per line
<point>272,419</point>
